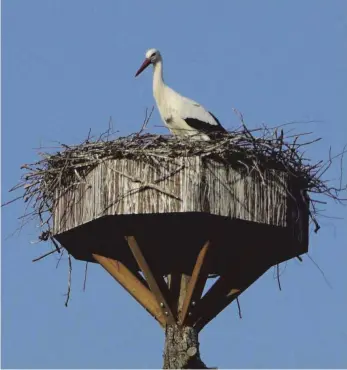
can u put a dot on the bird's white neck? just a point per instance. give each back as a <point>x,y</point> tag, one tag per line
<point>158,81</point>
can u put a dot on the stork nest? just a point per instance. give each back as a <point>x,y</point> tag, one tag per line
<point>254,149</point>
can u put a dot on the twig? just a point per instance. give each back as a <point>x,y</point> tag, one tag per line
<point>57,248</point>
<point>11,201</point>
<point>146,120</point>
<point>278,276</point>
<point>321,271</point>
<point>85,277</point>
<point>59,259</point>
<point>239,307</point>
<point>68,283</point>
<point>45,255</point>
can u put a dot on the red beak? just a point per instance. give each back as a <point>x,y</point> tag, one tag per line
<point>144,65</point>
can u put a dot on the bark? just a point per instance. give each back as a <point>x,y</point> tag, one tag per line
<point>182,348</point>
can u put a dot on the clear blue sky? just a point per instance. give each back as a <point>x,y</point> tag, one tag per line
<point>68,66</point>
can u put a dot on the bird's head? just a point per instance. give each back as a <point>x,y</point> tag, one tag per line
<point>152,57</point>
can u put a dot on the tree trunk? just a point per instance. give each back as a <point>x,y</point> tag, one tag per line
<point>182,348</point>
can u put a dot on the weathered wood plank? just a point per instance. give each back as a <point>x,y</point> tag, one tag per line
<point>132,285</point>
<point>196,284</point>
<point>155,282</point>
<point>174,285</point>
<point>186,184</point>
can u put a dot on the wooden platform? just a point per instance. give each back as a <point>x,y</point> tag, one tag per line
<point>171,242</point>
<point>175,244</point>
<point>185,219</point>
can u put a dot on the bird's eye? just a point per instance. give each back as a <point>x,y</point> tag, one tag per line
<point>153,55</point>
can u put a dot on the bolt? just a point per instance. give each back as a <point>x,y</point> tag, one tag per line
<point>189,314</point>
<point>166,313</point>
<point>193,303</point>
<point>191,351</point>
<point>161,304</point>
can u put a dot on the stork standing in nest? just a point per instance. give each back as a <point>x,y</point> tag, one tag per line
<point>182,116</point>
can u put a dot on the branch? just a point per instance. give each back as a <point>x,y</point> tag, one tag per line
<point>46,254</point>
<point>69,282</point>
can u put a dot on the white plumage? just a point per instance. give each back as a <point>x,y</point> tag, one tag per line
<point>182,116</point>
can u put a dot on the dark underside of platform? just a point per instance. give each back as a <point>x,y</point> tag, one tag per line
<point>171,242</point>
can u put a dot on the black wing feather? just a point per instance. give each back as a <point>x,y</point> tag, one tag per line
<point>205,127</point>
<point>216,119</point>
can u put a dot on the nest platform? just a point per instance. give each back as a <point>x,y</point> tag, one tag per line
<point>154,220</point>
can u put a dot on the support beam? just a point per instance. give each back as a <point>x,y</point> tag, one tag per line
<point>196,283</point>
<point>185,278</point>
<point>156,283</point>
<point>133,285</point>
<point>220,295</point>
<point>177,284</point>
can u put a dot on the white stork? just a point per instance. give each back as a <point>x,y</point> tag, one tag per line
<point>182,116</point>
